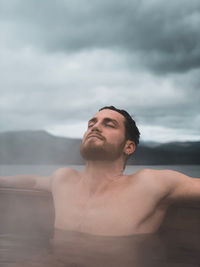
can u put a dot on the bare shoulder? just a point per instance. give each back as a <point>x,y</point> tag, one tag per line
<point>160,181</point>
<point>63,171</point>
<point>164,176</point>
<point>146,175</point>
<point>64,174</point>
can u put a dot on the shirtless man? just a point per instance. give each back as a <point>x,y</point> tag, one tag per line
<point>101,200</point>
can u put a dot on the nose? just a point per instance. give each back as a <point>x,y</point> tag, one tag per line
<point>96,127</point>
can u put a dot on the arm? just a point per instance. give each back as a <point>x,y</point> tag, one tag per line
<point>180,186</point>
<point>27,181</point>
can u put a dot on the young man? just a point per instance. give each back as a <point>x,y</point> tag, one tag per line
<point>102,200</point>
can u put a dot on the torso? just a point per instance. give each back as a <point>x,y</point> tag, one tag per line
<point>133,205</point>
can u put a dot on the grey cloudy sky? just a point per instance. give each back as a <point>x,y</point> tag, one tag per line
<point>60,61</point>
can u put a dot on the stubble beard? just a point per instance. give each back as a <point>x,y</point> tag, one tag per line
<point>101,152</point>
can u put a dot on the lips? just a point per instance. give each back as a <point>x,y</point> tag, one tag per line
<point>95,135</point>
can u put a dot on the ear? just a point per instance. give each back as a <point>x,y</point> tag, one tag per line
<point>129,147</point>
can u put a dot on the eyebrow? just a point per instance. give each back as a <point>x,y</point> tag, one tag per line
<point>105,120</point>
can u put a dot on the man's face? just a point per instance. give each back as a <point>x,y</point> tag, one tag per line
<point>105,136</point>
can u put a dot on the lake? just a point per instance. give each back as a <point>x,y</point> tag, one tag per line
<point>71,249</point>
<point>190,170</point>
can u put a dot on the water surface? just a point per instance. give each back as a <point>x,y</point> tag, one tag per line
<point>191,170</point>
<point>72,249</point>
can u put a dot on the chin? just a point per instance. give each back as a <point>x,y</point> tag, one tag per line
<point>92,152</point>
<point>99,152</point>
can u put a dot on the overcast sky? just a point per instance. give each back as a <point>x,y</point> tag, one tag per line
<point>60,61</point>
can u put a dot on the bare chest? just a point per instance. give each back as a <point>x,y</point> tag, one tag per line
<point>116,213</point>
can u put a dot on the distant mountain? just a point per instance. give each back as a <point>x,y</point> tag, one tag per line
<point>167,153</point>
<point>40,147</point>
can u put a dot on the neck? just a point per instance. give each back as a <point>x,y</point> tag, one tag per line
<point>99,174</point>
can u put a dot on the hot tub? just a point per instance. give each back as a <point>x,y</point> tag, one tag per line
<point>29,215</point>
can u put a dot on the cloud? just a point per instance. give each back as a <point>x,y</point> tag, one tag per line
<point>165,134</point>
<point>57,89</point>
<point>163,36</point>
<point>62,61</point>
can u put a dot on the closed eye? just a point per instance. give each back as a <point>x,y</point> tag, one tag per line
<point>110,125</point>
<point>90,125</point>
<point>106,122</point>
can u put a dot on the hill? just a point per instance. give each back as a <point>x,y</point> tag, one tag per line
<point>40,147</point>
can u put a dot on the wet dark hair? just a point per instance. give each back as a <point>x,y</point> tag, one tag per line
<point>132,132</point>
